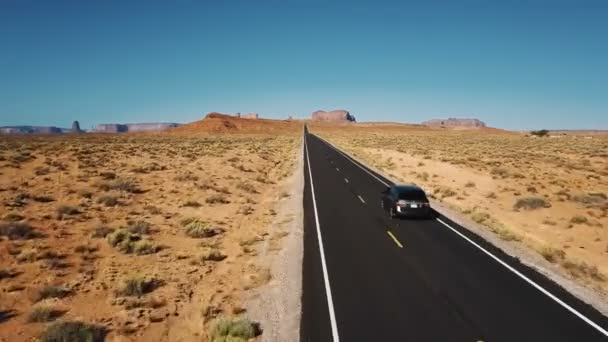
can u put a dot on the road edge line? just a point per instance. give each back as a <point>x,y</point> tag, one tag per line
<point>330,304</point>
<point>497,259</point>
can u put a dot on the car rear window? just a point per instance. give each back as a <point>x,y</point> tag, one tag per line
<point>412,195</point>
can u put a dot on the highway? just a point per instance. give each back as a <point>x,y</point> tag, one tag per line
<point>367,277</point>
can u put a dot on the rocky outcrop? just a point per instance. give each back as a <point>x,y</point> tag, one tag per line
<point>334,115</point>
<point>136,127</point>
<point>76,127</point>
<point>453,122</point>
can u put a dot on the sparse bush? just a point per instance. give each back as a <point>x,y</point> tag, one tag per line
<point>500,171</point>
<point>234,330</point>
<point>108,200</point>
<point>540,133</point>
<point>66,210</point>
<point>43,313</point>
<point>247,187</point>
<point>491,195</point>
<point>120,185</point>
<point>192,204</point>
<point>123,240</point>
<point>138,286</point>
<point>73,331</point>
<point>43,198</point>
<point>18,231</point>
<point>143,247</point>
<point>480,217</point>
<point>13,217</point>
<point>579,219</point>
<point>107,175</point>
<point>27,254</point>
<point>199,229</point>
<point>217,199</point>
<point>552,254</point>
<point>53,292</point>
<point>469,184</point>
<point>139,227</point>
<point>531,203</point>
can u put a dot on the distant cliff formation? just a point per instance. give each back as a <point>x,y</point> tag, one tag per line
<point>32,130</point>
<point>136,127</point>
<point>453,122</point>
<point>334,115</point>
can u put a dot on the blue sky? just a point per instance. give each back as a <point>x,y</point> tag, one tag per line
<point>514,64</point>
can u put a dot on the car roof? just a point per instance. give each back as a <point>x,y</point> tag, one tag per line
<point>407,188</point>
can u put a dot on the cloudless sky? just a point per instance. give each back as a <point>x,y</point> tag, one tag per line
<point>513,64</point>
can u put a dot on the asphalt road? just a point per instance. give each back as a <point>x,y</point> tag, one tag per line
<point>369,278</point>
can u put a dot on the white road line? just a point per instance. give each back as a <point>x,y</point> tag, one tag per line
<point>529,281</point>
<point>346,180</point>
<point>354,162</point>
<point>497,259</point>
<point>337,169</point>
<point>330,303</point>
<point>361,198</point>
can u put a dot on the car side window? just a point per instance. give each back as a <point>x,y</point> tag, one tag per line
<point>393,193</point>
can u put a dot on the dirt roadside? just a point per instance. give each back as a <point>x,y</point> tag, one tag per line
<point>277,306</point>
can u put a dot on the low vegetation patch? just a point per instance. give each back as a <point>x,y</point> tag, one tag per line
<point>138,286</point>
<point>234,330</point>
<point>53,292</point>
<point>18,231</point>
<point>531,203</point>
<point>44,313</point>
<point>199,229</point>
<point>74,331</point>
<point>66,210</point>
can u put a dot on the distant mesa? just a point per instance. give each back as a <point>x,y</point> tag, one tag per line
<point>248,116</point>
<point>135,127</point>
<point>339,115</point>
<point>32,130</point>
<point>453,122</point>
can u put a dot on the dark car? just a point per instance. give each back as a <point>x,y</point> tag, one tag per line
<point>407,201</point>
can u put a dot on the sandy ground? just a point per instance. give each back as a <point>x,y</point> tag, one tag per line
<point>545,195</point>
<point>154,237</point>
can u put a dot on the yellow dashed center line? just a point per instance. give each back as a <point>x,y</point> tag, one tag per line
<point>394,239</point>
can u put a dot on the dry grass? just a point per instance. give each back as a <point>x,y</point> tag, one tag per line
<point>549,193</point>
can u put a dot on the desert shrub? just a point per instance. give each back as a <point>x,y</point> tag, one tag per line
<point>143,247</point>
<point>491,195</point>
<point>139,227</point>
<point>13,217</point>
<point>73,331</point>
<point>43,198</point>
<point>6,273</point>
<point>217,199</point>
<point>199,229</point>
<point>53,292</point>
<point>108,200</point>
<point>66,210</point>
<point>540,133</point>
<point>123,240</point>
<point>480,217</point>
<point>27,254</point>
<point>85,193</point>
<point>234,330</point>
<point>192,204</point>
<point>579,219</point>
<point>18,231</point>
<point>581,269</point>
<point>120,185</point>
<point>43,313</point>
<point>137,286</point>
<point>590,199</point>
<point>247,187</point>
<point>500,171</point>
<point>530,203</point>
<point>107,175</point>
<point>552,254</point>
<point>84,248</point>
<point>101,231</point>
<point>469,184</point>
